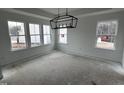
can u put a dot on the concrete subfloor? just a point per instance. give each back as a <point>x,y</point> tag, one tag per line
<point>58,68</point>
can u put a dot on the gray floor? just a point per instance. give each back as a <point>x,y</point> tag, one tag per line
<point>59,68</point>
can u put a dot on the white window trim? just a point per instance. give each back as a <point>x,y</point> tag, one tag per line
<point>47,34</point>
<point>113,49</point>
<point>40,30</point>
<point>25,30</point>
<point>66,38</point>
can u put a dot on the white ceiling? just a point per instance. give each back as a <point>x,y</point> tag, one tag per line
<point>73,11</point>
<point>61,10</point>
<point>49,13</point>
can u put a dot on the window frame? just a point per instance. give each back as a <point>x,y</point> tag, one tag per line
<point>47,34</point>
<point>25,31</point>
<point>40,34</point>
<point>64,34</point>
<point>115,36</point>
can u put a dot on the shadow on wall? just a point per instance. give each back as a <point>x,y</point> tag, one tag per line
<point>1,76</point>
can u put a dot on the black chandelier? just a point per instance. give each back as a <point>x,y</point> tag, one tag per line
<point>63,21</point>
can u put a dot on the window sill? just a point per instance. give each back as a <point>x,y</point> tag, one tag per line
<point>105,49</point>
<point>46,44</point>
<point>35,46</point>
<point>40,45</point>
<point>63,43</point>
<point>14,50</point>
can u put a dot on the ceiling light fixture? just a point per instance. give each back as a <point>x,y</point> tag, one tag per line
<point>63,21</point>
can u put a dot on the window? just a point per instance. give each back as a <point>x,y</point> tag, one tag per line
<point>17,35</point>
<point>106,34</point>
<point>46,34</point>
<point>63,35</point>
<point>35,35</point>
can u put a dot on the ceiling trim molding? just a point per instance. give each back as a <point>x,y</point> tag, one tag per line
<point>101,12</point>
<point>48,18</point>
<point>25,13</point>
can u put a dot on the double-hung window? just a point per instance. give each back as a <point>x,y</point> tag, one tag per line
<point>17,35</point>
<point>106,34</point>
<point>35,34</point>
<point>46,34</point>
<point>63,36</point>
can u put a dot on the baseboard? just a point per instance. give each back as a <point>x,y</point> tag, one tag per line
<point>27,59</point>
<point>91,57</point>
<point>102,59</point>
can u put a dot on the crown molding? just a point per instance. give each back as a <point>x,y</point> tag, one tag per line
<point>25,13</point>
<point>114,10</point>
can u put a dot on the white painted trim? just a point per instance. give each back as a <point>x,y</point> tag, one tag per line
<point>101,12</point>
<point>23,60</point>
<point>71,52</point>
<point>48,18</point>
<point>25,13</point>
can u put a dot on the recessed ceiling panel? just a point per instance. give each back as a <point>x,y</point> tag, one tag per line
<point>61,10</point>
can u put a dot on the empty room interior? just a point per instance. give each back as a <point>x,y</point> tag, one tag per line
<point>62,46</point>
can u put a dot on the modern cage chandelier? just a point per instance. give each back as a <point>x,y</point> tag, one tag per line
<point>63,21</point>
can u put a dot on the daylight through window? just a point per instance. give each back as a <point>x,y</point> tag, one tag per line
<point>35,35</point>
<point>106,34</point>
<point>46,34</point>
<point>17,35</point>
<point>63,35</point>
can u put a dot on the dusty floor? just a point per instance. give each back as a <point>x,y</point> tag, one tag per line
<point>59,68</point>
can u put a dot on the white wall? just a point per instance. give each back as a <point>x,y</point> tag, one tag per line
<point>7,56</point>
<point>82,40</point>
